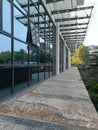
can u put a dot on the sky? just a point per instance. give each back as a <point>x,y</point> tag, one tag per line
<point>92,33</point>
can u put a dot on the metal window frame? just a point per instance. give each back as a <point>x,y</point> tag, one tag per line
<point>1,4</point>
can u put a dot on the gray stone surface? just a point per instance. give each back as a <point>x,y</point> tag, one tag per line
<point>59,103</point>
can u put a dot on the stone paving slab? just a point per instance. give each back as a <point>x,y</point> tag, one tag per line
<point>17,123</point>
<point>54,105</point>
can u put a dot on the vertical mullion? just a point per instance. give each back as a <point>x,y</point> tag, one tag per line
<point>44,44</point>
<point>59,57</point>
<point>38,50</point>
<point>28,16</point>
<point>49,48</point>
<point>54,51</point>
<point>62,55</point>
<point>1,12</point>
<point>12,45</point>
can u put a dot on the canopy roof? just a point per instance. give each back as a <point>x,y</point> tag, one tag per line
<point>73,17</point>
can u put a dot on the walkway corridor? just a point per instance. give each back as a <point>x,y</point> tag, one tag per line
<point>59,103</point>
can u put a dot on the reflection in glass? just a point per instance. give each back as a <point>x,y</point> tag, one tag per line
<point>41,60</point>
<point>30,63</point>
<point>33,65</point>
<point>6,16</point>
<point>20,30</point>
<point>5,71</point>
<point>20,52</point>
<point>18,3</point>
<point>20,77</point>
<point>5,81</point>
<point>5,49</point>
<point>35,34</point>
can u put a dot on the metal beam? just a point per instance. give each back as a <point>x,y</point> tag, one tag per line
<point>41,22</point>
<point>74,32</point>
<point>41,35</point>
<point>53,1</point>
<point>51,27</point>
<point>69,19</point>
<point>32,4</point>
<point>71,10</point>
<point>76,24</point>
<point>72,29</point>
<point>75,41</point>
<point>74,36</point>
<point>80,41</point>
<point>31,15</point>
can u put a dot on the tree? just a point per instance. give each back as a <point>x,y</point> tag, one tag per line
<point>94,59</point>
<point>80,56</point>
<point>5,56</point>
<point>20,56</point>
<point>76,59</point>
<point>84,53</point>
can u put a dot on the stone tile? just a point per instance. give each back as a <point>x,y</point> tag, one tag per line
<point>17,123</point>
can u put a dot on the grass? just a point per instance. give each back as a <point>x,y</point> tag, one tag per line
<point>90,78</point>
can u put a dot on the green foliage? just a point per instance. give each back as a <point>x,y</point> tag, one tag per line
<point>5,56</point>
<point>90,78</point>
<point>33,55</point>
<point>80,56</point>
<point>94,88</point>
<point>94,59</point>
<point>20,56</point>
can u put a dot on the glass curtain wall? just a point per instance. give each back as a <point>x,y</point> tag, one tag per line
<point>26,47</point>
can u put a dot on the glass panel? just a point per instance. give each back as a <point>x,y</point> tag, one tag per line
<point>20,72</point>
<point>35,34</point>
<point>5,81</point>
<point>20,53</point>
<point>20,25</point>
<point>22,5</point>
<point>5,71</point>
<point>6,16</point>
<point>20,77</point>
<point>51,60</point>
<point>41,65</point>
<point>5,49</point>
<point>34,22</point>
<point>33,65</point>
<point>47,67</point>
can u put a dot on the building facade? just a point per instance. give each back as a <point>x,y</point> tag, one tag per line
<point>34,40</point>
<point>31,48</point>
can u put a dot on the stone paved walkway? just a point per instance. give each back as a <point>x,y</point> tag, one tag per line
<point>59,103</point>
